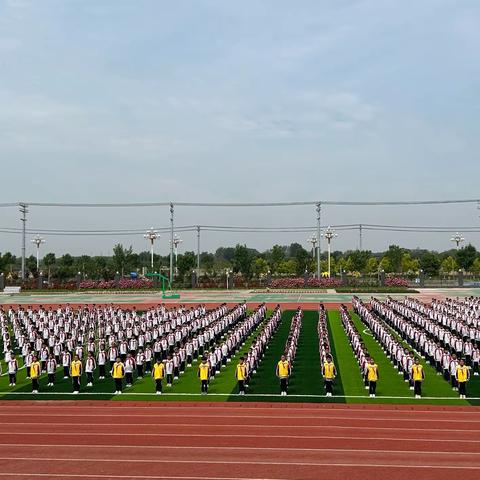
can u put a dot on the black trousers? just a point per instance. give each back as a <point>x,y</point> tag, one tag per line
<point>101,370</point>
<point>34,383</point>
<point>158,385</point>
<point>129,378</point>
<point>169,378</point>
<point>241,386</point>
<point>283,384</point>
<point>118,384</point>
<point>329,386</point>
<point>462,388</point>
<point>417,387</point>
<point>148,366</point>
<point>66,371</point>
<point>90,377</point>
<point>12,377</point>
<point>205,386</point>
<point>76,384</point>
<point>372,387</point>
<point>51,378</point>
<point>140,370</point>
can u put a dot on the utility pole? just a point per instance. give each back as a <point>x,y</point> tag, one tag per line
<point>38,240</point>
<point>360,237</point>
<point>319,209</point>
<point>176,243</point>
<point>23,211</point>
<point>198,249</point>
<point>172,210</point>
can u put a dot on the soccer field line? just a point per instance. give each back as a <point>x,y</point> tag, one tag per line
<point>250,395</point>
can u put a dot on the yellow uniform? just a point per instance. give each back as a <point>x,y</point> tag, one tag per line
<point>329,370</point>
<point>76,368</point>
<point>35,370</point>
<point>118,370</point>
<point>241,372</point>
<point>203,370</point>
<point>372,372</point>
<point>417,373</point>
<point>462,374</point>
<point>283,369</point>
<point>158,371</point>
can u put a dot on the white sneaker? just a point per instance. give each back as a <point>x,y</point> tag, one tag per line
<point>13,384</point>
<point>65,377</point>
<point>9,384</point>
<point>159,393</point>
<point>75,392</point>
<point>129,384</point>
<point>411,388</point>
<point>418,396</point>
<point>169,384</point>
<point>476,373</point>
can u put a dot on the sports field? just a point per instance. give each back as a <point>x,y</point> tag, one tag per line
<point>306,384</point>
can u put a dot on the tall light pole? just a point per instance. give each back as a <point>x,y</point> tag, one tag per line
<point>313,240</point>
<point>172,213</point>
<point>198,249</point>
<point>329,234</point>
<point>457,239</point>
<point>38,240</point>
<point>176,242</point>
<point>23,210</point>
<point>319,211</point>
<point>151,235</point>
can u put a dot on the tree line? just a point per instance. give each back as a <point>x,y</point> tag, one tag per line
<point>280,260</point>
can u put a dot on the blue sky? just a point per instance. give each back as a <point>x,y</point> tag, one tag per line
<point>239,101</point>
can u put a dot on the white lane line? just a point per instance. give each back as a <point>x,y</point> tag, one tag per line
<point>251,395</point>
<point>255,417</point>
<point>132,477</point>
<point>230,425</point>
<point>240,462</point>
<point>237,435</point>
<point>229,447</point>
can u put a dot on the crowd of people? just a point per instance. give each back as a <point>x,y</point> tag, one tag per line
<point>329,371</point>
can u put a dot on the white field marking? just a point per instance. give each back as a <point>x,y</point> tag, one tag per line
<point>202,435</point>
<point>367,332</point>
<point>252,395</point>
<point>184,447</point>
<point>237,462</point>
<point>230,425</point>
<point>128,477</point>
<point>321,407</point>
<point>255,417</point>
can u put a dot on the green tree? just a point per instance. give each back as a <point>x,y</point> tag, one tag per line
<point>359,259</point>
<point>207,261</point>
<point>186,263</point>
<point>409,264</point>
<point>31,264</point>
<point>466,256</point>
<point>449,265</point>
<point>259,267</point>
<point>277,255</point>
<point>287,267</point>
<point>122,258</point>
<point>394,255</point>
<point>371,266</point>
<point>242,260</point>
<point>476,266</point>
<point>385,264</point>
<point>430,263</point>
<point>49,261</point>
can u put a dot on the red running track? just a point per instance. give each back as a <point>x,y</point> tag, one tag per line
<point>192,441</point>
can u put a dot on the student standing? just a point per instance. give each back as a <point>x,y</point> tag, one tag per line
<point>329,373</point>
<point>462,376</point>
<point>158,373</point>
<point>169,370</point>
<point>76,373</point>
<point>418,376</point>
<point>241,375</point>
<point>204,375</point>
<point>129,369</point>
<point>118,372</point>
<point>101,358</point>
<point>372,377</point>
<point>35,371</point>
<point>12,370</point>
<point>51,366</point>
<point>283,372</point>
<point>90,366</point>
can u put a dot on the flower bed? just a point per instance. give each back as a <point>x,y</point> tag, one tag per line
<point>298,282</point>
<point>121,284</point>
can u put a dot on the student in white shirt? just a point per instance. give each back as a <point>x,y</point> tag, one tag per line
<point>90,366</point>
<point>51,366</point>
<point>12,369</point>
<point>129,368</point>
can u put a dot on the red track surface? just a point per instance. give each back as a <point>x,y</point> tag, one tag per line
<point>190,441</point>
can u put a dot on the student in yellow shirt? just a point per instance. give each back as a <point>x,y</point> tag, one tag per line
<point>241,375</point>
<point>283,372</point>
<point>329,372</point>
<point>158,373</point>
<point>463,376</point>
<point>372,377</point>
<point>76,373</point>
<point>204,374</point>
<point>118,372</point>
<point>35,371</point>
<point>417,375</point>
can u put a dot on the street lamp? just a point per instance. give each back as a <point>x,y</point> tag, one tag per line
<point>38,240</point>
<point>151,235</point>
<point>228,272</point>
<point>313,240</point>
<point>329,234</point>
<point>457,239</point>
<point>176,242</point>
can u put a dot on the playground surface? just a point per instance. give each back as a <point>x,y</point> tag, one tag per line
<point>308,300</point>
<point>191,441</point>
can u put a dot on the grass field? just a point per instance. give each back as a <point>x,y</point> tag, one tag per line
<point>306,384</point>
